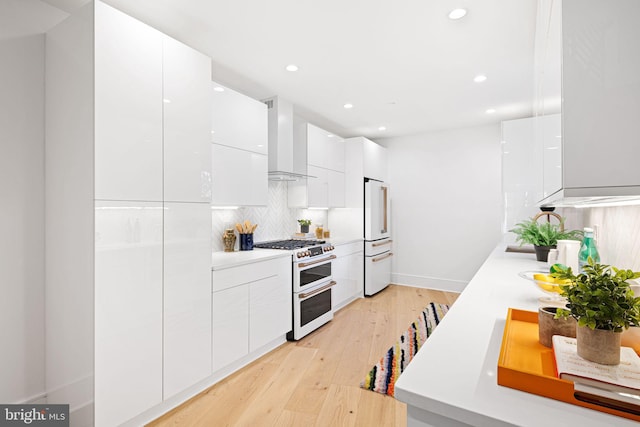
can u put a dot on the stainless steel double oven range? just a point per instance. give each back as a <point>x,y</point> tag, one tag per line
<point>312,282</point>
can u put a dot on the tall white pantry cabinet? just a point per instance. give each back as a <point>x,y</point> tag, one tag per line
<point>128,223</point>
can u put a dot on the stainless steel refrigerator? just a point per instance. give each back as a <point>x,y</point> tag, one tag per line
<point>377,236</point>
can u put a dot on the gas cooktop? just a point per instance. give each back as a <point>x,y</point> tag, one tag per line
<point>289,244</point>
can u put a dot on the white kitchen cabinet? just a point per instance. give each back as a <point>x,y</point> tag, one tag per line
<point>238,120</point>
<point>318,187</point>
<point>230,325</point>
<point>239,177</point>
<point>336,153</point>
<point>186,126</point>
<point>105,179</point>
<point>128,107</point>
<point>335,189</point>
<point>375,160</point>
<point>128,309</point>
<point>347,271</point>
<point>187,290</point>
<point>270,306</point>
<point>251,308</point>
<point>317,149</point>
<point>599,92</point>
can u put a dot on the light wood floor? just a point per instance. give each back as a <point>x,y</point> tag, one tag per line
<point>316,381</point>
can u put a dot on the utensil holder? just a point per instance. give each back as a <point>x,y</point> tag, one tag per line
<point>246,242</point>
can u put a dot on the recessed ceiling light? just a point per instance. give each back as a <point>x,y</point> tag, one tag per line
<point>490,111</point>
<point>347,106</point>
<point>480,78</point>
<point>292,67</point>
<point>166,101</point>
<point>457,13</point>
<point>218,89</point>
<point>381,128</point>
<point>330,135</point>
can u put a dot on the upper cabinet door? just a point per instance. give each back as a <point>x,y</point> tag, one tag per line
<point>186,100</point>
<point>239,177</point>
<point>335,160</point>
<point>317,146</point>
<point>128,108</point>
<point>238,120</point>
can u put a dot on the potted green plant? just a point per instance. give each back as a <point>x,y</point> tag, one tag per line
<point>543,236</point>
<point>601,300</point>
<point>304,225</point>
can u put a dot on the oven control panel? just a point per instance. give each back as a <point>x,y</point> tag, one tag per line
<point>314,251</point>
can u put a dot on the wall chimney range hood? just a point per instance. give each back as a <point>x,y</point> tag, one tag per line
<point>281,159</point>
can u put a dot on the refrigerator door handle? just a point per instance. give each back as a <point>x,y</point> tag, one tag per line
<point>384,209</point>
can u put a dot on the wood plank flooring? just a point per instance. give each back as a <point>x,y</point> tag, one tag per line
<point>316,381</point>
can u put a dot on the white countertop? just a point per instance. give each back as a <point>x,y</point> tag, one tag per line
<point>343,241</point>
<point>454,373</point>
<point>222,260</point>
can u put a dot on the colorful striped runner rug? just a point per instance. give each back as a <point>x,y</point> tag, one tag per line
<point>384,374</point>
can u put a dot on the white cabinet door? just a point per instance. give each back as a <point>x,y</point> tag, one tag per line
<point>317,146</point>
<point>239,177</point>
<point>128,108</point>
<point>317,188</point>
<point>187,295</point>
<point>335,191</point>
<point>128,310</point>
<point>336,152</point>
<point>238,120</point>
<point>270,306</point>
<point>230,325</point>
<point>187,150</point>
<point>375,160</point>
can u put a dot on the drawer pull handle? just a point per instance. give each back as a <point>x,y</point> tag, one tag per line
<point>382,257</point>
<point>375,245</point>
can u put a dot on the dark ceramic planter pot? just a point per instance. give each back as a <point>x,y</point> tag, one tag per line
<point>304,228</point>
<point>542,252</point>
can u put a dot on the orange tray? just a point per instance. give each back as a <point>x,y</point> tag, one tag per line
<point>527,365</point>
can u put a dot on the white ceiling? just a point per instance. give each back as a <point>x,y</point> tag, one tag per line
<point>402,64</point>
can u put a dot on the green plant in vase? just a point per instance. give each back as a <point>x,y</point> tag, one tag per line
<point>304,225</point>
<point>601,300</point>
<point>543,236</point>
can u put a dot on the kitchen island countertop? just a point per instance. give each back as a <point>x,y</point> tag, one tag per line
<point>452,381</point>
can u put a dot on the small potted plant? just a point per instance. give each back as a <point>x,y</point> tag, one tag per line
<point>304,225</point>
<point>601,300</point>
<point>543,236</point>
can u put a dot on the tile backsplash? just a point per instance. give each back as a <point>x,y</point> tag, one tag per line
<point>618,234</point>
<point>275,221</point>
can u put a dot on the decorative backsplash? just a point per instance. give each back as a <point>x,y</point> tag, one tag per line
<point>275,221</point>
<point>619,234</point>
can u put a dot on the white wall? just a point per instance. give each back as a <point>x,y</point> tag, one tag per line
<point>446,205</point>
<point>22,219</point>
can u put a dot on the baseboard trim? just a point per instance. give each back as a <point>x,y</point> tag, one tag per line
<point>426,282</point>
<point>178,399</point>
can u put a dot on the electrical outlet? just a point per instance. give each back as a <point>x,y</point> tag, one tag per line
<point>596,232</point>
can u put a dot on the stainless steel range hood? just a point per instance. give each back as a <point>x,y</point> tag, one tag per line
<point>281,159</point>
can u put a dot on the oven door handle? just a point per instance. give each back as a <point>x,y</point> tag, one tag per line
<point>318,261</point>
<point>317,291</point>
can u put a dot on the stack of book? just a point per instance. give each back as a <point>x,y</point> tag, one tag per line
<point>612,386</point>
